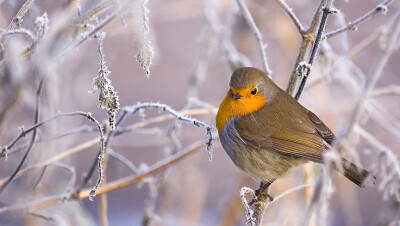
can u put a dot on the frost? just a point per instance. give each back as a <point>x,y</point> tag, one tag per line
<point>108,98</point>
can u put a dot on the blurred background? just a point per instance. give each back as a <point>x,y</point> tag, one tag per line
<point>196,45</point>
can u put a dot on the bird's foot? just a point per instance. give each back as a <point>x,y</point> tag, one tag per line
<point>261,195</point>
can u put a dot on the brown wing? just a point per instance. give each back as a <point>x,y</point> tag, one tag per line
<point>322,129</point>
<point>302,142</point>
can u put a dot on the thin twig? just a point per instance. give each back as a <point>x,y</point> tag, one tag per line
<point>306,71</point>
<point>41,216</point>
<point>110,186</point>
<point>377,73</point>
<point>20,31</point>
<point>85,35</point>
<point>305,47</point>
<point>87,177</point>
<point>17,19</point>
<point>32,142</point>
<point>95,141</point>
<point>366,43</point>
<point>103,197</point>
<point>39,179</point>
<point>71,170</point>
<point>56,158</point>
<point>353,25</point>
<point>34,127</point>
<point>292,15</point>
<point>252,25</point>
<point>155,168</point>
<point>93,13</point>
<point>123,160</point>
<point>209,137</point>
<point>386,91</point>
<point>291,190</point>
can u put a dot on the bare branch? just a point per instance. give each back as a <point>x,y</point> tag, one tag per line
<point>32,142</point>
<point>32,128</point>
<point>17,19</point>
<point>41,216</point>
<point>252,25</point>
<point>305,47</point>
<point>353,25</point>
<point>85,35</point>
<point>123,160</point>
<point>209,137</point>
<point>386,91</point>
<point>307,67</point>
<point>110,186</point>
<point>249,212</point>
<point>292,15</point>
<point>108,98</point>
<point>56,158</point>
<point>95,141</point>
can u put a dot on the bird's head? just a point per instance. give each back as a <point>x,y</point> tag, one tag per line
<point>250,89</point>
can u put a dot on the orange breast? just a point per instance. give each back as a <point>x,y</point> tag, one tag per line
<point>230,108</point>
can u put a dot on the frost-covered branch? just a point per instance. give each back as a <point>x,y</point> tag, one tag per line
<point>353,25</point>
<point>253,27</point>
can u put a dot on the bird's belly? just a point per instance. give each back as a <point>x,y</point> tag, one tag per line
<point>259,163</point>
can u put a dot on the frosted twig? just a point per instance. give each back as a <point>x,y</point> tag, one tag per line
<point>367,42</point>
<point>32,128</point>
<point>31,143</point>
<point>40,177</point>
<point>326,11</point>
<point>110,186</point>
<point>20,31</point>
<point>123,160</point>
<point>383,58</point>
<point>71,170</point>
<point>305,47</point>
<point>108,98</point>
<point>386,91</point>
<point>209,137</point>
<point>323,189</point>
<point>234,58</point>
<point>391,176</point>
<point>291,190</point>
<point>93,13</point>
<point>353,25</point>
<point>249,212</point>
<point>41,216</point>
<point>92,142</point>
<point>17,19</point>
<point>293,16</point>
<point>85,35</point>
<point>77,113</point>
<point>55,158</point>
<point>253,27</point>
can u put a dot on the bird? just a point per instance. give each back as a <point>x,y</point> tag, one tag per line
<point>265,131</point>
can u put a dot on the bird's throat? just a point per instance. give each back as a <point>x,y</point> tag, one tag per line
<point>230,108</point>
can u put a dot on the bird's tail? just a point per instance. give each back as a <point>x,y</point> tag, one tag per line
<point>356,174</point>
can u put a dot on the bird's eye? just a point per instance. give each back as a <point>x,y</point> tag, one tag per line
<point>254,91</point>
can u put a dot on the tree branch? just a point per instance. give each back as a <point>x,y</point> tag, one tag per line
<point>252,25</point>
<point>305,72</point>
<point>17,19</point>
<point>353,25</point>
<point>305,47</point>
<point>32,142</point>
<point>111,186</point>
<point>293,16</point>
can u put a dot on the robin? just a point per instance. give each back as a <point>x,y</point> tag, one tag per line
<point>265,131</point>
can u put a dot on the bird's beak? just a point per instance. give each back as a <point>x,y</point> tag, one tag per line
<point>236,96</point>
